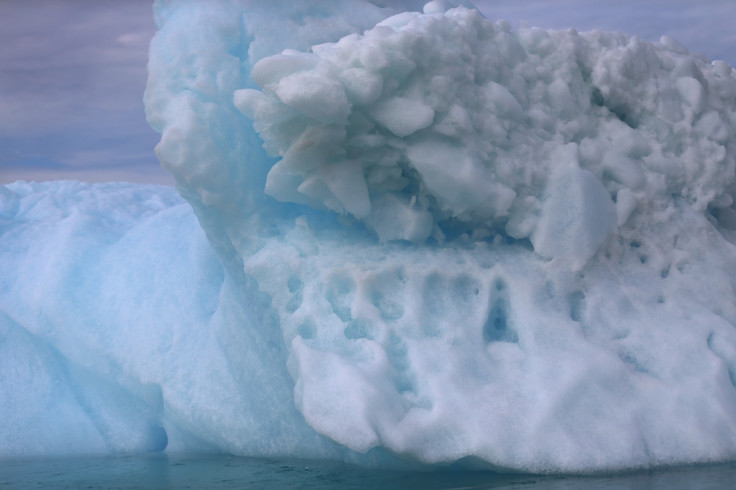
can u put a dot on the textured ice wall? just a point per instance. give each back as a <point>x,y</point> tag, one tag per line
<point>561,303</point>
<point>469,243</point>
<point>492,151</point>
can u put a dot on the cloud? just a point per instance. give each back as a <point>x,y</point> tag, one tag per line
<point>72,76</point>
<point>704,27</point>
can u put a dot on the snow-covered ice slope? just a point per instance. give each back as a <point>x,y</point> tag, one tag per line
<point>430,238</point>
<point>120,332</point>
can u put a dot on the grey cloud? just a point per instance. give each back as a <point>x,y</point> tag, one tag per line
<point>704,27</point>
<point>72,75</point>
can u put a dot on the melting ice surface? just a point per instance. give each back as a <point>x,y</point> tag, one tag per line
<point>420,237</point>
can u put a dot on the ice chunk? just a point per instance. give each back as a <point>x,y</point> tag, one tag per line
<point>460,182</point>
<point>399,20</point>
<point>345,180</point>
<point>692,93</point>
<point>402,116</point>
<point>623,170</point>
<point>503,102</point>
<point>626,203</point>
<point>576,219</point>
<point>317,98</point>
<point>393,219</point>
<point>274,68</point>
<point>249,101</point>
<point>362,86</point>
<point>434,7</point>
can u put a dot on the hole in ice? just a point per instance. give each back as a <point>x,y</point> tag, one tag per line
<point>396,350</point>
<point>295,286</point>
<point>632,361</point>
<point>497,327</point>
<point>403,383</point>
<point>358,329</point>
<point>577,303</point>
<point>466,290</point>
<point>306,330</point>
<point>339,295</point>
<point>389,309</point>
<point>158,439</point>
<point>596,97</point>
<point>398,357</point>
<point>386,293</point>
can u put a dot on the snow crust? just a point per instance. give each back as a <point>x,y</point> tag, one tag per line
<point>421,237</point>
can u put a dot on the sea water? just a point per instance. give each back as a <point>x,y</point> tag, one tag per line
<point>216,471</point>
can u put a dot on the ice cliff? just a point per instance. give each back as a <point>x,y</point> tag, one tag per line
<point>421,236</point>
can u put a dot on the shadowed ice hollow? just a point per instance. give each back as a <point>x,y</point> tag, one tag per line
<point>421,236</point>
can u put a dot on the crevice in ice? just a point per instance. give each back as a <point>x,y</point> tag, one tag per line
<point>498,327</point>
<point>597,99</point>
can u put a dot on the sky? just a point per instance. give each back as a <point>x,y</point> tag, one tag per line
<point>73,72</point>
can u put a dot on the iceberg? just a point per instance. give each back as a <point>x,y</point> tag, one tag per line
<point>419,237</point>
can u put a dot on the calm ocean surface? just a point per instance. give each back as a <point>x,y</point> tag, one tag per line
<point>220,471</point>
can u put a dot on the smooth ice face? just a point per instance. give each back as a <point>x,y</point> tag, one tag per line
<point>120,332</point>
<point>469,243</point>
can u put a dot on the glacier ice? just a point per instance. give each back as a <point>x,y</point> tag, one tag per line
<point>419,236</point>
